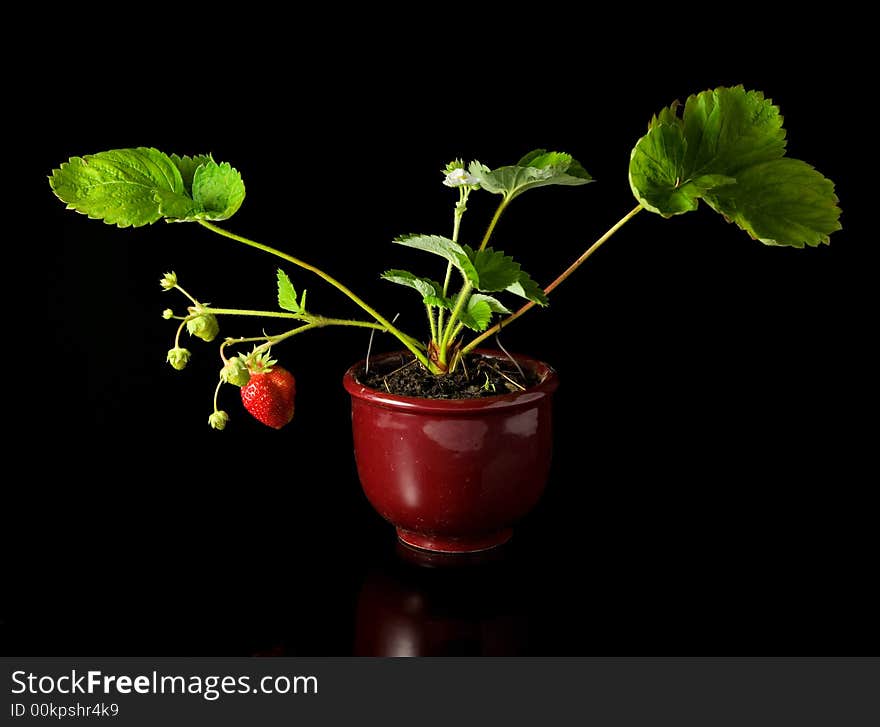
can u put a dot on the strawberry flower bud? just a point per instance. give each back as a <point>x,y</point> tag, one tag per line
<point>168,281</point>
<point>203,325</point>
<point>235,372</point>
<point>218,420</point>
<point>167,314</point>
<point>178,357</point>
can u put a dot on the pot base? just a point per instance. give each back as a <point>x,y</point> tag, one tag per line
<point>436,543</point>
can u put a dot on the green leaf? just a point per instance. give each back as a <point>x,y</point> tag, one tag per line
<point>495,270</point>
<point>729,129</point>
<point>478,311</point>
<point>668,115</point>
<point>728,149</point>
<point>438,301</point>
<point>476,315</point>
<point>538,168</point>
<point>134,187</point>
<point>527,288</point>
<point>287,294</point>
<point>431,290</point>
<point>657,171</point>
<point>495,305</point>
<point>187,166</point>
<point>217,190</point>
<point>781,202</point>
<point>445,248</point>
<point>124,187</point>
<point>423,285</point>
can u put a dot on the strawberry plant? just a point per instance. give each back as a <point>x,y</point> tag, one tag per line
<point>725,147</point>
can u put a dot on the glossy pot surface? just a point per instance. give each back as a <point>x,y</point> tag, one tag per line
<point>453,475</point>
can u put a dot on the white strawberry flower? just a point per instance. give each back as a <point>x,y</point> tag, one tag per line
<point>460,178</point>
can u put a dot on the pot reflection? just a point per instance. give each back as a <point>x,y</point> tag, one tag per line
<point>416,606</point>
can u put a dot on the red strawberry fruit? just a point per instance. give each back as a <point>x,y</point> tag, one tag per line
<point>269,396</point>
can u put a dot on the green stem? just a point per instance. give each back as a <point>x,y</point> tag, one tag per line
<point>450,332</point>
<point>179,331</point>
<point>260,313</point>
<point>495,218</point>
<point>403,338</point>
<point>269,341</point>
<point>216,392</point>
<point>460,209</point>
<point>441,313</point>
<point>314,322</point>
<point>431,324</point>
<point>463,296</point>
<point>550,288</point>
<point>177,287</point>
<point>308,317</point>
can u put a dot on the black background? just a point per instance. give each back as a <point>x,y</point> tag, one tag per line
<point>712,481</point>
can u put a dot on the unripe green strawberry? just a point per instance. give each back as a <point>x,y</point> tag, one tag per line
<point>269,396</point>
<point>218,420</point>
<point>235,372</point>
<point>203,325</point>
<point>178,357</point>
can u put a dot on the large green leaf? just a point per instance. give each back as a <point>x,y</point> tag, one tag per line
<point>728,149</point>
<point>538,168</point>
<point>781,200</point>
<point>134,187</point>
<point>729,129</point>
<point>124,187</point>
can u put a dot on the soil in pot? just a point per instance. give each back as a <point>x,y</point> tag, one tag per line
<point>476,377</point>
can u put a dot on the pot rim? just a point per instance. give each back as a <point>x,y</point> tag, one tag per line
<point>545,387</point>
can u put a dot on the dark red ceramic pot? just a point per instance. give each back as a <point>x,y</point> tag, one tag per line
<point>453,475</point>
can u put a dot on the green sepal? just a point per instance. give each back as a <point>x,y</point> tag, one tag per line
<point>168,281</point>
<point>259,362</point>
